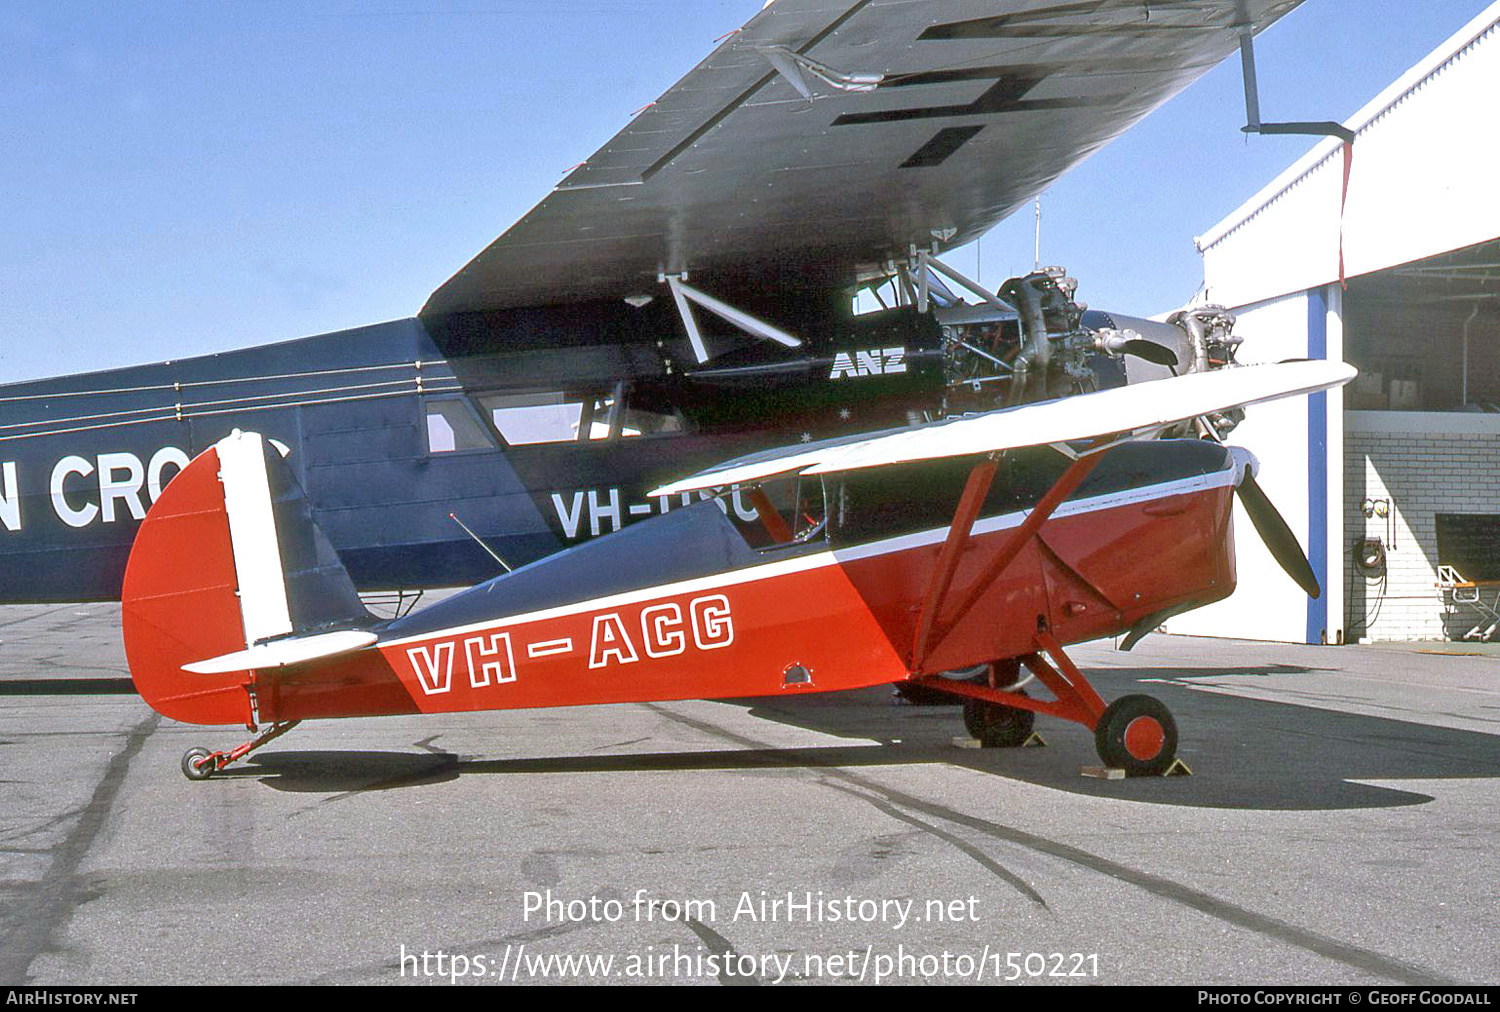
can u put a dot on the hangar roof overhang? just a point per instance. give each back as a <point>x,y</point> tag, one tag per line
<point>1421,183</point>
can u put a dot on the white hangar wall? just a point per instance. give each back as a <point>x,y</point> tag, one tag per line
<point>1422,218</point>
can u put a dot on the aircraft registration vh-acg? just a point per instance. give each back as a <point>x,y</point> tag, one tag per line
<point>910,557</point>
<point>683,296</point>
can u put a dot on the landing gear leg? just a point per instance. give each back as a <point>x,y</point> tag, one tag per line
<point>1135,733</point>
<point>200,763</point>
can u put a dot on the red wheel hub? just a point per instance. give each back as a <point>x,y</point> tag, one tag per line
<point>1144,738</point>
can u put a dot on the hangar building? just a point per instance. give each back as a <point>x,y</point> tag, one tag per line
<point>1394,481</point>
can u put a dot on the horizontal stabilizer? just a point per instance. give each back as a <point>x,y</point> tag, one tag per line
<point>280,653</point>
<point>1140,407</point>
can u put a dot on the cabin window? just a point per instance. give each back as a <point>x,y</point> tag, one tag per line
<point>564,417</point>
<point>453,427</point>
<point>650,422</point>
<point>547,417</point>
<point>649,413</point>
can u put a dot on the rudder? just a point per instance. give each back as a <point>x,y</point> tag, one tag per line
<point>227,559</point>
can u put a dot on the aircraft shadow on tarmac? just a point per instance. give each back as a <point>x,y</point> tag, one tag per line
<point>339,773</point>
<point>1245,753</point>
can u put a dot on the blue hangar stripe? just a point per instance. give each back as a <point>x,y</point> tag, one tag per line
<point>1317,469</point>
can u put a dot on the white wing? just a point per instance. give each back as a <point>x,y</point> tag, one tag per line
<point>1139,407</point>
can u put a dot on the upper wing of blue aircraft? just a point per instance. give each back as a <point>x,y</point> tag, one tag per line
<point>826,137</point>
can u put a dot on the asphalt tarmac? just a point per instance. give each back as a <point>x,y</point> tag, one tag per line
<point>1339,828</point>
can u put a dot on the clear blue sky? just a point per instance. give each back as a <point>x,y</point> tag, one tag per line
<point>179,178</point>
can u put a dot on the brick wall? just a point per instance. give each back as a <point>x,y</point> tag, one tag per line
<point>1424,463</point>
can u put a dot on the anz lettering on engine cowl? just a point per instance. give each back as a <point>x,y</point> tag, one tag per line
<point>875,362</point>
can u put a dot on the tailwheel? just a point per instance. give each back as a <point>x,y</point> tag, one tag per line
<point>198,764</point>
<point>997,725</point>
<point>1137,734</point>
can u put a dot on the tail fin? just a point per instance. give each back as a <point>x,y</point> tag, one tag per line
<point>229,573</point>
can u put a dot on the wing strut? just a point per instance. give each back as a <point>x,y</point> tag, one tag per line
<point>973,286</point>
<point>975,490</point>
<point>684,294</point>
<point>774,524</point>
<point>929,636</point>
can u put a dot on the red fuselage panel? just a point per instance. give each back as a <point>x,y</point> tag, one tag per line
<point>835,620</point>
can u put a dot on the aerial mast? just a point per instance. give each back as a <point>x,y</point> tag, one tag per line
<point>1038,232</point>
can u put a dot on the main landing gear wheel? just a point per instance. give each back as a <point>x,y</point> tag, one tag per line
<point>198,764</point>
<point>1137,734</point>
<point>997,725</point>
<point>1001,674</point>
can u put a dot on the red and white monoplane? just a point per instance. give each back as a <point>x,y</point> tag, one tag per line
<point>897,557</point>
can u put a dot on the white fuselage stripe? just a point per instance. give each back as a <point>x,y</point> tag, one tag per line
<point>771,570</point>
<point>252,535</point>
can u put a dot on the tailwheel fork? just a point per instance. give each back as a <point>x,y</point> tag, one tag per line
<point>200,763</point>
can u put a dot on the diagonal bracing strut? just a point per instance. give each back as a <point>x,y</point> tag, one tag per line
<point>930,631</point>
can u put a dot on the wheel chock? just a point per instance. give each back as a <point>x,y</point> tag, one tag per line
<point>1033,740</point>
<point>1177,769</point>
<point>1103,772</point>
